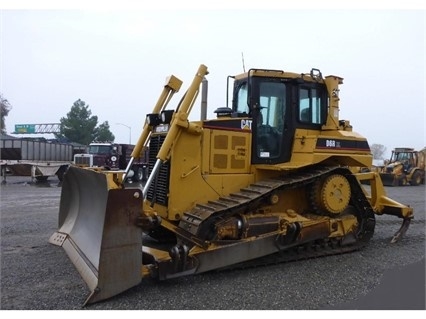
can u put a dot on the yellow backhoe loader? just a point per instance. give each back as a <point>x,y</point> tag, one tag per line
<point>406,166</point>
<point>269,178</point>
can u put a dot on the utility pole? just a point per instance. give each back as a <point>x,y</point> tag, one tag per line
<point>130,131</point>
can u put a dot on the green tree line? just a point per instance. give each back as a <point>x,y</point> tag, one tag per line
<point>82,127</point>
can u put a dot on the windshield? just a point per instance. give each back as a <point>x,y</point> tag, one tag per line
<point>100,149</point>
<point>399,157</point>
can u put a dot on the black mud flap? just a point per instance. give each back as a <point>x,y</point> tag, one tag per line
<point>97,229</point>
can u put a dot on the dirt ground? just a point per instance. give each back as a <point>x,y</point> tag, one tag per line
<point>36,275</point>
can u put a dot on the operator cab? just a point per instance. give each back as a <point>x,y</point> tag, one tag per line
<point>406,157</point>
<point>278,103</point>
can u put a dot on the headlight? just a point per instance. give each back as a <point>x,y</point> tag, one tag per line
<point>166,116</point>
<point>153,119</point>
<point>113,158</point>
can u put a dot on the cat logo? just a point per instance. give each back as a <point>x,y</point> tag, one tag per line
<point>246,124</point>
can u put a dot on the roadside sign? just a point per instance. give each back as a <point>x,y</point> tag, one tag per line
<point>24,128</point>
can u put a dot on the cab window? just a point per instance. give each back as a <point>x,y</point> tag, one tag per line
<point>310,106</point>
<point>242,99</point>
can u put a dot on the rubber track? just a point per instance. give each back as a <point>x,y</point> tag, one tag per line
<point>203,216</point>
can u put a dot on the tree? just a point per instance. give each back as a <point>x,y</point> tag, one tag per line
<point>378,151</point>
<point>81,127</point>
<point>103,134</point>
<point>5,108</point>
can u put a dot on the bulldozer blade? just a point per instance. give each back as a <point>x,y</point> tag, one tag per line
<point>97,229</point>
<point>402,230</point>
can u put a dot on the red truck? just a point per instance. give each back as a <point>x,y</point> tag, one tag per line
<point>112,156</point>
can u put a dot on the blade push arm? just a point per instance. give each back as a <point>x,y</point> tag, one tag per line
<point>172,86</point>
<point>179,122</point>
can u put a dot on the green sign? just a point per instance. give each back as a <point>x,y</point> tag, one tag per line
<point>24,128</point>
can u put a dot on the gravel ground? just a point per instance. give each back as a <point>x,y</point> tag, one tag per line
<point>36,275</point>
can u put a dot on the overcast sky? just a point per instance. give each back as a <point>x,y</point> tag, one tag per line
<point>117,59</point>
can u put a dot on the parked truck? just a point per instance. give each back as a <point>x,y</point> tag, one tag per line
<point>406,166</point>
<point>113,156</point>
<point>35,157</point>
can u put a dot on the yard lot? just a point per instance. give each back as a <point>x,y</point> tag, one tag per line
<point>36,275</point>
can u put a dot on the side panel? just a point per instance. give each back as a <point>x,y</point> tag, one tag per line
<point>229,152</point>
<point>199,172</point>
<point>186,185</point>
<point>340,148</point>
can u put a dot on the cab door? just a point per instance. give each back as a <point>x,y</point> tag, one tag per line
<point>272,127</point>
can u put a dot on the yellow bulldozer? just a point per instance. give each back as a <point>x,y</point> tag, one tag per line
<point>406,166</point>
<point>268,179</point>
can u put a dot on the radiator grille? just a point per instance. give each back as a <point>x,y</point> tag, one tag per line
<point>157,192</point>
<point>83,160</point>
